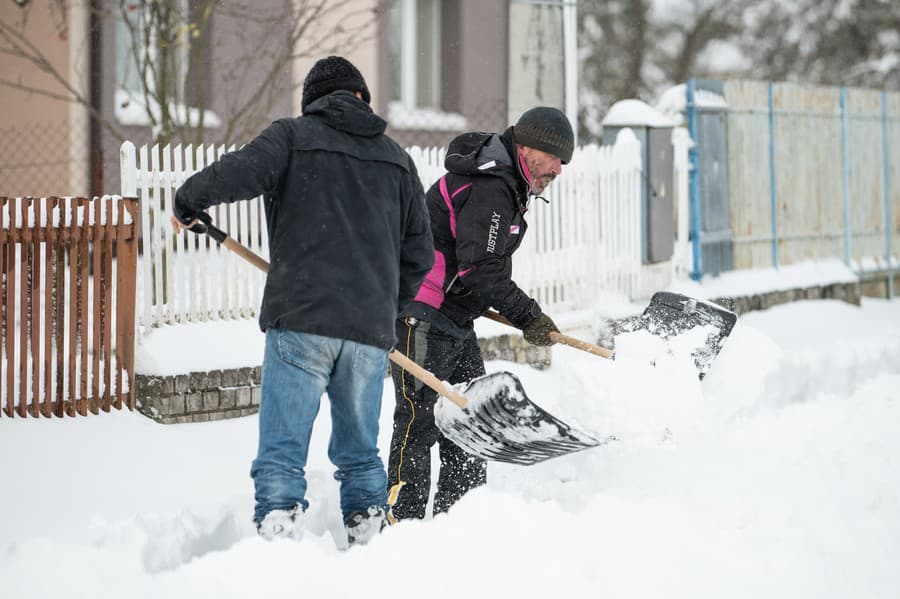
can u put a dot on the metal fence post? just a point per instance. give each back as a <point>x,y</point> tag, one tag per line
<point>773,188</point>
<point>845,171</point>
<point>691,110</point>
<point>886,179</point>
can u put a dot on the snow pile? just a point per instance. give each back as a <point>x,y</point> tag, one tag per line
<point>200,347</point>
<point>673,102</point>
<point>748,282</point>
<point>776,476</point>
<point>630,113</point>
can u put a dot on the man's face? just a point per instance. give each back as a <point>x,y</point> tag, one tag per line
<point>543,167</point>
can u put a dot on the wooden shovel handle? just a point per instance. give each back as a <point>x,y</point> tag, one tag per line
<point>560,338</point>
<point>246,254</point>
<point>429,379</point>
<point>582,345</point>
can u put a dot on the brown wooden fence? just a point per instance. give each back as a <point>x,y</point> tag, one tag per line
<point>67,300</point>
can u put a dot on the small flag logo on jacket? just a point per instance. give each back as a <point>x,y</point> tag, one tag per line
<point>514,230</point>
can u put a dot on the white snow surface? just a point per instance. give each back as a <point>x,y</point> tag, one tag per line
<point>631,113</point>
<point>673,101</point>
<point>776,476</point>
<point>748,282</point>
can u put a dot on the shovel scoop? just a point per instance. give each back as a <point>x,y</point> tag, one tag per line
<point>500,423</point>
<point>492,418</point>
<point>672,314</point>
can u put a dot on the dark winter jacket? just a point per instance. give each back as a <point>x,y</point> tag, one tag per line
<point>477,215</point>
<point>348,229</point>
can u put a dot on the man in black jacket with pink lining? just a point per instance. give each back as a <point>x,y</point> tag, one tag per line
<point>477,213</point>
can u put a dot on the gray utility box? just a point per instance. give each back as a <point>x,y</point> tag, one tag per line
<point>654,131</point>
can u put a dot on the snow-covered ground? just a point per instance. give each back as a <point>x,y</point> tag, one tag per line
<point>777,476</point>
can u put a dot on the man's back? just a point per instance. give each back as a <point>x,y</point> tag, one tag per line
<point>349,236</point>
<point>349,198</point>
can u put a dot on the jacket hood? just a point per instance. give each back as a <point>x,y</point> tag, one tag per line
<point>481,153</point>
<point>345,112</point>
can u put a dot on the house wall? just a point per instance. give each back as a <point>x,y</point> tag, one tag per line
<point>476,59</point>
<point>233,78</point>
<point>365,55</point>
<point>474,63</point>
<point>44,141</point>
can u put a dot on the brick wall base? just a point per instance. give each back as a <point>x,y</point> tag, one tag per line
<point>198,396</point>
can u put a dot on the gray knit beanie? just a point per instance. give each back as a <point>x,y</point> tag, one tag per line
<point>546,129</point>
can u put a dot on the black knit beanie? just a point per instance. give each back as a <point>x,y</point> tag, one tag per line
<point>331,74</point>
<point>548,130</point>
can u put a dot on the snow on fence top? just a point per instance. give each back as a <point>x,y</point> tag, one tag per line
<point>29,213</point>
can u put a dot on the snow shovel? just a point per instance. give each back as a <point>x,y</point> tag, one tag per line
<point>492,419</point>
<point>668,314</point>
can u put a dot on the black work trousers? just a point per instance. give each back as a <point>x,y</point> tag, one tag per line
<point>452,354</point>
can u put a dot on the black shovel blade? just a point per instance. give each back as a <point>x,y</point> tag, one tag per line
<point>670,314</point>
<point>500,423</point>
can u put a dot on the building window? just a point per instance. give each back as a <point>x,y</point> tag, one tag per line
<point>415,53</point>
<point>141,28</point>
<point>415,56</point>
<point>128,48</point>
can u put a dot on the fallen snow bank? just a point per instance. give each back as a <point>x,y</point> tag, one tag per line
<point>774,477</point>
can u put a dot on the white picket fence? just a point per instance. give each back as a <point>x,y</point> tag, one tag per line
<point>187,277</point>
<point>584,245</point>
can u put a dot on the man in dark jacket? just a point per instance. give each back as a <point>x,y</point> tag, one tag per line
<point>349,246</point>
<point>477,215</point>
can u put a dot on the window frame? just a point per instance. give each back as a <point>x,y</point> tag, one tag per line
<point>409,63</point>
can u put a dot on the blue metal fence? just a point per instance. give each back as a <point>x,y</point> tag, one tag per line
<point>807,173</point>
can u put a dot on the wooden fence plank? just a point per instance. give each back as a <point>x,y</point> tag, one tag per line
<point>9,307</point>
<point>49,248</point>
<point>120,215</point>
<point>35,310</point>
<point>5,353</point>
<point>84,311</point>
<point>59,309</point>
<point>23,311</point>
<point>71,293</point>
<point>108,232</point>
<point>97,337</point>
<point>128,290</point>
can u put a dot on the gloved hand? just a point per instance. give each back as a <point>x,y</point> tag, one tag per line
<point>538,332</point>
<point>184,215</point>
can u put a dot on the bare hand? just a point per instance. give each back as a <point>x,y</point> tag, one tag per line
<point>178,225</point>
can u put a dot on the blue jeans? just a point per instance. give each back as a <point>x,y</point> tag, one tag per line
<point>297,369</point>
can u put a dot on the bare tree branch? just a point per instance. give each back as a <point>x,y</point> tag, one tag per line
<point>170,47</point>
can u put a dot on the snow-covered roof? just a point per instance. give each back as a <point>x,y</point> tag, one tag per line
<point>635,113</point>
<point>673,101</point>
